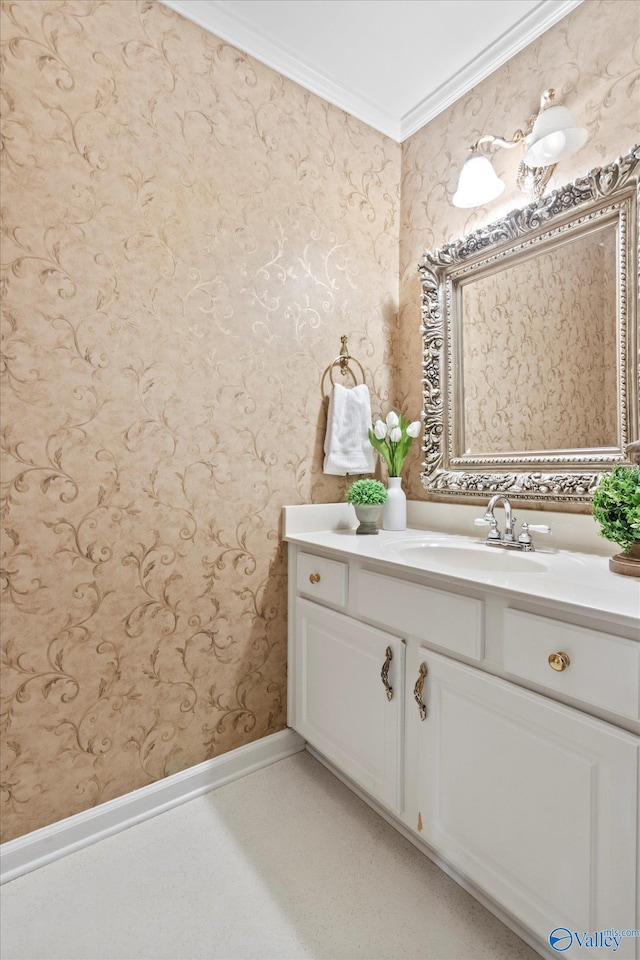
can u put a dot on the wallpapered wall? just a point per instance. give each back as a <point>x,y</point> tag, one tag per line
<point>538,368</point>
<point>186,236</point>
<point>592,59</point>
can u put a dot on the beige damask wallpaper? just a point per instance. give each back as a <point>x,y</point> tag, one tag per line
<point>186,236</point>
<point>537,368</point>
<point>592,58</point>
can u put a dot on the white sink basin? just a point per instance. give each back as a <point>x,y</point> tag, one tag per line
<point>467,556</point>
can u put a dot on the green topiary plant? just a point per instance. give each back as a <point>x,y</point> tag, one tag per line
<point>616,506</point>
<point>367,493</point>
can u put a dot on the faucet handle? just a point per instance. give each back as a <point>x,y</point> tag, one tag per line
<point>525,537</point>
<point>487,519</point>
<point>494,533</point>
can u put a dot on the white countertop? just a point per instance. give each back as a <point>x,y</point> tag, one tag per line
<point>579,581</point>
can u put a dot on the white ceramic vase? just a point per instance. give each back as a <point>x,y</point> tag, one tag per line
<point>394,516</point>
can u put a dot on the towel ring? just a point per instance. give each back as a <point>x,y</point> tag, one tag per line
<point>344,360</point>
<point>345,369</point>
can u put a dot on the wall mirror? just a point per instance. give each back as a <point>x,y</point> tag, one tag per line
<point>530,337</point>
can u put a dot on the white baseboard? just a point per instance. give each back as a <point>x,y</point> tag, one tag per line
<point>33,850</point>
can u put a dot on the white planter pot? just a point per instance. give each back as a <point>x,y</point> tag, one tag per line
<point>368,514</point>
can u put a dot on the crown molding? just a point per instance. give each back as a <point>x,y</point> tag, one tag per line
<point>241,34</point>
<point>524,32</point>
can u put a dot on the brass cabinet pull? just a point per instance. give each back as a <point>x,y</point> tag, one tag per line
<point>384,673</point>
<point>559,661</point>
<point>417,691</point>
<point>314,578</point>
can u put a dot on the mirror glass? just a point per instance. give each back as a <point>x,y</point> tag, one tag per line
<point>530,340</point>
<point>539,352</point>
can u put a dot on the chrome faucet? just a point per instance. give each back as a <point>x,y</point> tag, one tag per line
<point>507,539</point>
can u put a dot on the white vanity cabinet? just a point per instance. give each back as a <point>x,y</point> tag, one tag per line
<point>343,705</point>
<point>531,802</point>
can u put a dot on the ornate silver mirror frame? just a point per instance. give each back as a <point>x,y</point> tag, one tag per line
<point>605,196</point>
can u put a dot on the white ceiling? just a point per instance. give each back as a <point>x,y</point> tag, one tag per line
<point>395,64</point>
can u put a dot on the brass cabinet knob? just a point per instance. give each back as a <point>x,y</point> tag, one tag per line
<point>314,578</point>
<point>559,661</point>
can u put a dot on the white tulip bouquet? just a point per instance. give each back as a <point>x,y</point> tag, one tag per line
<point>392,440</point>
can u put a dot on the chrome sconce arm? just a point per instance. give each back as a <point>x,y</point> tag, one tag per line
<point>518,137</point>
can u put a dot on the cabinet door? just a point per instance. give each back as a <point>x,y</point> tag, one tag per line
<point>342,704</point>
<point>533,801</point>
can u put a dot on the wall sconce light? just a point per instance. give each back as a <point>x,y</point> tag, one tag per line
<point>552,135</point>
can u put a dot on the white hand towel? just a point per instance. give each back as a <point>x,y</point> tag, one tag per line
<point>346,443</point>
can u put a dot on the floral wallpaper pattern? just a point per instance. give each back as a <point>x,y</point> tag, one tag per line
<point>592,59</point>
<point>539,345</point>
<point>186,235</point>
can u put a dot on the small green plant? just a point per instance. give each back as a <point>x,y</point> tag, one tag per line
<point>616,506</point>
<point>367,492</point>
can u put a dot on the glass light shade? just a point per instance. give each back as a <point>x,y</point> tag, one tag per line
<point>478,183</point>
<point>554,136</point>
